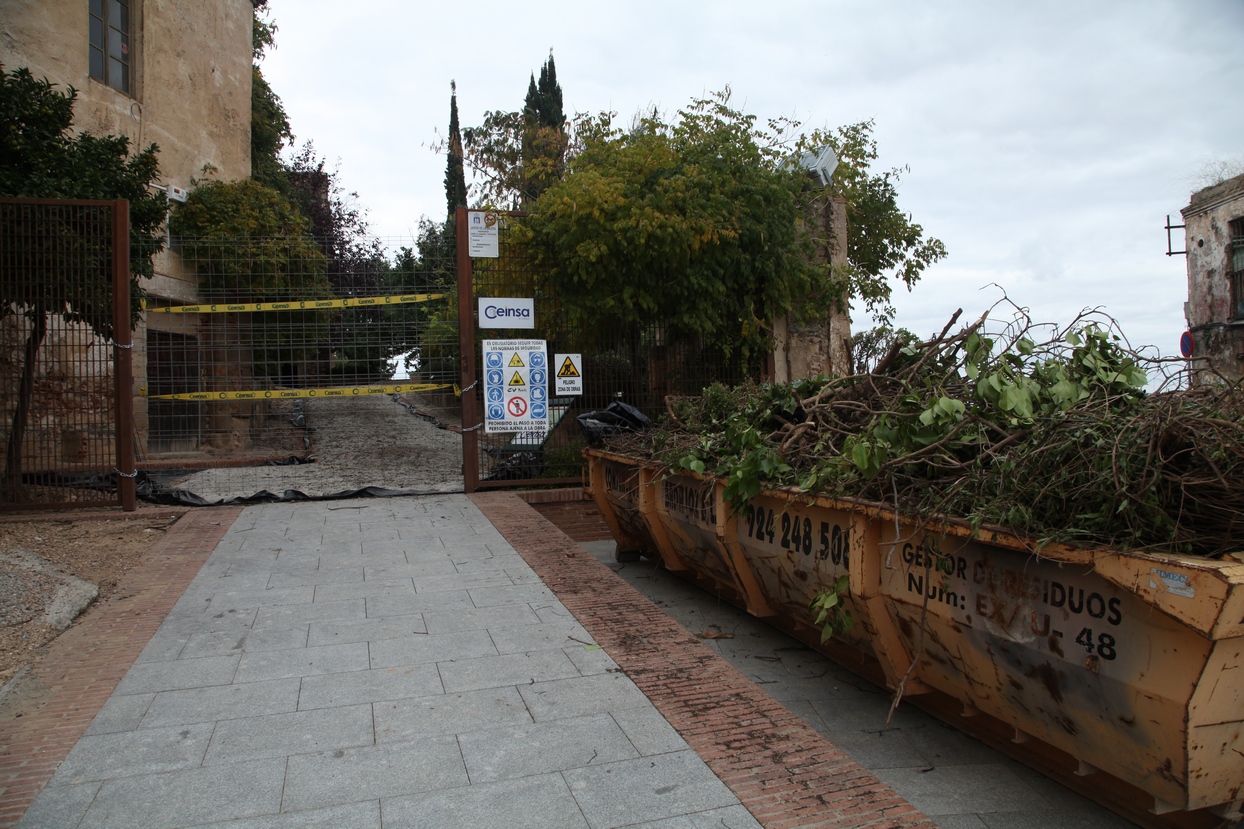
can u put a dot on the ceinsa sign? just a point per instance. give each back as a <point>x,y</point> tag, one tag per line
<point>506,313</point>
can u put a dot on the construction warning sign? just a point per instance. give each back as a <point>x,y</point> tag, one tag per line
<point>569,376</point>
<point>516,386</point>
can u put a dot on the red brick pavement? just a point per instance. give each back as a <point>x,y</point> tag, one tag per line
<point>50,708</point>
<point>783,771</point>
<point>571,510</point>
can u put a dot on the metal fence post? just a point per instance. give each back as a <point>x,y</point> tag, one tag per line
<point>466,345</point>
<point>123,363</point>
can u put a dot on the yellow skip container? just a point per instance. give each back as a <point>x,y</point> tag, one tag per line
<point>1124,663</point>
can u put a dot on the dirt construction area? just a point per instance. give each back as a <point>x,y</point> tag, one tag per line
<point>355,443</point>
<point>52,568</point>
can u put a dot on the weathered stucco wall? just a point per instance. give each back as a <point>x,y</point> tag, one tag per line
<point>1218,336</point>
<point>192,71</point>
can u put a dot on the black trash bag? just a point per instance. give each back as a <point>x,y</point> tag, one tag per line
<point>616,418</point>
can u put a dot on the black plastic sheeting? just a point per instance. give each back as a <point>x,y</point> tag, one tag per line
<point>514,466</point>
<point>614,419</point>
<point>149,489</point>
<point>185,498</point>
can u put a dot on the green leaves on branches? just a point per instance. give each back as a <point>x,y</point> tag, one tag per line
<point>884,245</point>
<point>249,244</point>
<point>1046,431</point>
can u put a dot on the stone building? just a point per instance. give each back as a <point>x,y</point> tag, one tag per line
<point>171,72</point>
<point>1214,231</point>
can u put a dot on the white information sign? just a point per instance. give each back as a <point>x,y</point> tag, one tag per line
<point>502,312</point>
<point>482,235</point>
<point>567,374</point>
<point>516,386</point>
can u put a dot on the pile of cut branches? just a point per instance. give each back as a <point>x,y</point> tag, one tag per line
<point>1046,431</point>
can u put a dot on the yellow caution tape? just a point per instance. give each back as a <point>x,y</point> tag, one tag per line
<point>280,394</point>
<point>296,305</point>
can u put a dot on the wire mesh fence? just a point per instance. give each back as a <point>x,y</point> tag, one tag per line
<point>64,293</point>
<point>639,364</point>
<point>256,342</point>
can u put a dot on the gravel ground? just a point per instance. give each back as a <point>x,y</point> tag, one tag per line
<point>51,569</point>
<point>356,442</point>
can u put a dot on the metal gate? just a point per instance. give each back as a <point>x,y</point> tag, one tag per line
<point>65,382</point>
<point>638,364</point>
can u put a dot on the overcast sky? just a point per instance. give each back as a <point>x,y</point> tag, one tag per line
<point>1047,141</point>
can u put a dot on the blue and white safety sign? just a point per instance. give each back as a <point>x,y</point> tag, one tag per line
<point>516,386</point>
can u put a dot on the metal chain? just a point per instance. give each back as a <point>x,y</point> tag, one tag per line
<point>468,388</point>
<point>118,345</point>
<point>473,428</point>
<point>133,474</point>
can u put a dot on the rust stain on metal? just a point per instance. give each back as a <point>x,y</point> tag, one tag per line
<point>1048,677</point>
<point>1055,643</point>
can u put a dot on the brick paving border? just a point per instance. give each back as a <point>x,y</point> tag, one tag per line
<point>50,708</point>
<point>785,773</point>
<point>571,510</point>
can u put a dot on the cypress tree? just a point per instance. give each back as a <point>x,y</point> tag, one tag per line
<point>543,142</point>
<point>549,112</point>
<point>455,179</point>
<point>531,104</point>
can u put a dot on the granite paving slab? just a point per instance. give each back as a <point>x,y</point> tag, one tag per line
<point>406,668</point>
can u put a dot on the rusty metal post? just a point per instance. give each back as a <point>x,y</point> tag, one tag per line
<point>466,347</point>
<point>123,363</point>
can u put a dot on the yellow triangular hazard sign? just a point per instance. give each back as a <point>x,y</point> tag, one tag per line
<point>516,361</point>
<point>517,380</point>
<point>568,369</point>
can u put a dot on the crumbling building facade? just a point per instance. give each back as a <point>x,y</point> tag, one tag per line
<point>1214,232</point>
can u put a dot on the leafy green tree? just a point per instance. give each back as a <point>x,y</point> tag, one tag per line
<point>270,127</point>
<point>40,157</point>
<point>355,266</point>
<point>869,347</point>
<point>627,194</point>
<point>427,333</point>
<point>694,223</point>
<point>248,243</point>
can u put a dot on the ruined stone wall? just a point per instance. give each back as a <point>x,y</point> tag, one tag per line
<point>1211,310</point>
<point>71,420</point>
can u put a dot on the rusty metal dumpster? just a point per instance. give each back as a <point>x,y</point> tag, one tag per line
<point>1130,664</point>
